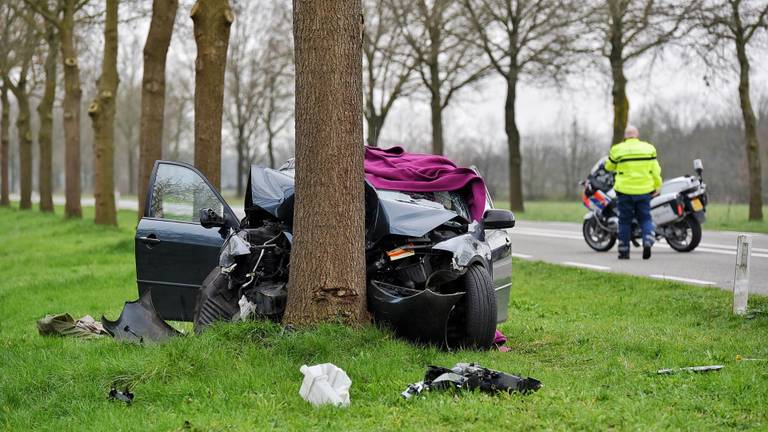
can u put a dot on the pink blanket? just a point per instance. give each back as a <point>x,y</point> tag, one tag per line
<point>396,169</point>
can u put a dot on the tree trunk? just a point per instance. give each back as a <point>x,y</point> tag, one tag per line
<point>327,276</point>
<point>24,130</point>
<point>212,20</point>
<point>242,166</point>
<point>271,147</point>
<point>513,146</point>
<point>45,114</point>
<point>5,125</point>
<point>437,111</point>
<point>102,112</point>
<point>153,92</point>
<point>619,90</point>
<point>750,134</point>
<point>375,122</point>
<point>72,96</point>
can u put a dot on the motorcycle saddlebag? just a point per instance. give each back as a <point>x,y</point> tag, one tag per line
<point>666,208</point>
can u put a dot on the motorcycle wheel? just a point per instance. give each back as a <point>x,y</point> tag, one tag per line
<point>690,234</point>
<point>596,237</point>
<point>472,323</point>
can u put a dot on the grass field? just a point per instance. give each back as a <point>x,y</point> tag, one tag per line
<point>728,217</point>
<point>594,339</point>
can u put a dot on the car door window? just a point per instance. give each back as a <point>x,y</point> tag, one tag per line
<point>179,193</point>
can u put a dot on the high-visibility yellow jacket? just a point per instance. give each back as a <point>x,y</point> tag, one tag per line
<point>637,170</point>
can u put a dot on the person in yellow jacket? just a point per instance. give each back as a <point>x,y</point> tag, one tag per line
<point>638,179</point>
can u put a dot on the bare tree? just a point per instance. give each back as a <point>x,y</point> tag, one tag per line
<point>446,59</point>
<point>65,24</point>
<point>5,124</point>
<point>329,159</point>
<point>630,29</point>
<point>45,114</point>
<point>387,67</point>
<point>102,113</point>
<point>153,91</point>
<point>523,39</point>
<point>731,28</point>
<point>212,20</point>
<point>23,53</point>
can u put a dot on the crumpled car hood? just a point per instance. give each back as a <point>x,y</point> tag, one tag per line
<point>272,191</point>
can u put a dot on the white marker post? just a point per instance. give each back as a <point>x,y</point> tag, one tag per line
<point>741,276</point>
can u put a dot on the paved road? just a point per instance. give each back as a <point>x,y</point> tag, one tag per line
<point>712,263</point>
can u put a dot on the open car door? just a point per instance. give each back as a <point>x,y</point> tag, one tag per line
<point>174,252</point>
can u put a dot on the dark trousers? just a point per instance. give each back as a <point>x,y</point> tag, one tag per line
<point>634,207</point>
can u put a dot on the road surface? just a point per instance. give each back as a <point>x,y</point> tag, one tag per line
<point>712,263</point>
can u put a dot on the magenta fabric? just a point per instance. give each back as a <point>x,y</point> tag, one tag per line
<point>396,169</point>
<point>499,338</point>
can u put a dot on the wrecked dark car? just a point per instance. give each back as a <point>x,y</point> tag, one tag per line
<point>434,275</point>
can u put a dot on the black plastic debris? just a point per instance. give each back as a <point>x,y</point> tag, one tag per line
<point>139,322</point>
<point>122,396</point>
<point>697,369</point>
<point>471,376</point>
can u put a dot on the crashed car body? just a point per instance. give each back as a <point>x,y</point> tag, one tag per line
<point>432,275</point>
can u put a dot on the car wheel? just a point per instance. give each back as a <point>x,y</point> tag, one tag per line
<point>472,323</point>
<point>216,302</point>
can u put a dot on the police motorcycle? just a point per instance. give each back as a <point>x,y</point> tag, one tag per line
<point>678,211</point>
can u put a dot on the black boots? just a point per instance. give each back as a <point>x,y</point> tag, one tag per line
<point>646,252</point>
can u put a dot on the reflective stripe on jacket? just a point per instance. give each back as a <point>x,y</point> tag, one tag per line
<point>637,170</point>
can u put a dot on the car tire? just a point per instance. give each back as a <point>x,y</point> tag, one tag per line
<point>473,322</point>
<point>215,302</point>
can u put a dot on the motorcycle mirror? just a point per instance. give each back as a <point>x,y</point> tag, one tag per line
<point>698,166</point>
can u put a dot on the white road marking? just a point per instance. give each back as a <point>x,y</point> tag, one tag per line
<point>587,266</point>
<point>523,256</point>
<point>682,279</point>
<point>704,247</point>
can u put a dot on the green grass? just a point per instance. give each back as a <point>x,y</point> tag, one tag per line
<point>594,339</point>
<point>727,217</point>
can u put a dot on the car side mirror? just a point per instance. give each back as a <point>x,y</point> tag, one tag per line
<point>210,219</point>
<point>498,219</point>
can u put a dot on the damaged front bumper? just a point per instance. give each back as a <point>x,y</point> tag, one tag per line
<point>418,315</point>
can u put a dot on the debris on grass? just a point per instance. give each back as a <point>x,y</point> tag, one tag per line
<point>139,322</point>
<point>123,396</point>
<point>471,376</point>
<point>696,369</point>
<point>64,325</point>
<point>325,384</point>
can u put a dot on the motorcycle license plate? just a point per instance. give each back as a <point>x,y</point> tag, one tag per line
<point>696,204</point>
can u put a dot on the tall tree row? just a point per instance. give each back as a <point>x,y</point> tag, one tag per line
<point>153,91</point>
<point>212,20</point>
<point>102,113</point>
<point>732,27</point>
<point>45,114</point>
<point>327,279</point>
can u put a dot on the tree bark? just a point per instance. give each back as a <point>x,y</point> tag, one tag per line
<point>45,114</point>
<point>24,130</point>
<point>212,20</point>
<point>513,145</point>
<point>102,113</point>
<point>619,90</point>
<point>242,165</point>
<point>437,110</point>
<point>153,91</point>
<point>5,125</point>
<point>750,134</point>
<point>72,96</point>
<point>327,276</point>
